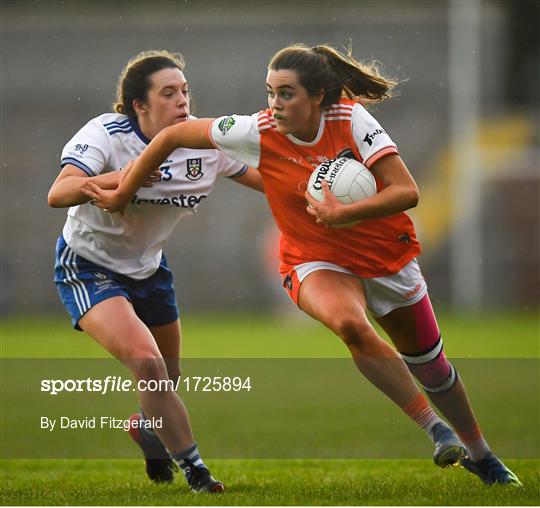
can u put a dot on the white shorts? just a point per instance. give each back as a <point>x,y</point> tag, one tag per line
<point>383,294</point>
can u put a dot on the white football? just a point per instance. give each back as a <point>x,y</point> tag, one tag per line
<point>348,180</point>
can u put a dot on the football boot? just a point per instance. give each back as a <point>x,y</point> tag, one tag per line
<point>491,470</point>
<point>160,468</point>
<point>200,480</point>
<point>449,450</point>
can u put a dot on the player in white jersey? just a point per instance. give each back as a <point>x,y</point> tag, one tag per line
<point>110,270</point>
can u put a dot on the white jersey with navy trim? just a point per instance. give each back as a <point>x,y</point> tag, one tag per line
<point>131,244</point>
<point>239,136</point>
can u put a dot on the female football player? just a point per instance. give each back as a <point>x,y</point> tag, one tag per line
<point>316,112</point>
<point>110,270</point>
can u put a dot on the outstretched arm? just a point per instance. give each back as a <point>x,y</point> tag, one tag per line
<point>190,134</point>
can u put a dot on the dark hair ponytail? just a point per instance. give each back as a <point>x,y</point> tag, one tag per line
<point>336,74</point>
<point>134,82</point>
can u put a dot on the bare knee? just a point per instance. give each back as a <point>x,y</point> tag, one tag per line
<point>147,365</point>
<point>356,332</point>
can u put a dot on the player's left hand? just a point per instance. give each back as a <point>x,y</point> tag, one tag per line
<point>329,211</point>
<point>109,200</point>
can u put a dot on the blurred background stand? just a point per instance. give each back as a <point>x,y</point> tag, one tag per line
<point>466,123</point>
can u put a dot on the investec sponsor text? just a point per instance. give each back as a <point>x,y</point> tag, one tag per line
<point>181,201</point>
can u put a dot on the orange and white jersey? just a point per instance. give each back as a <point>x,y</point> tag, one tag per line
<point>374,247</point>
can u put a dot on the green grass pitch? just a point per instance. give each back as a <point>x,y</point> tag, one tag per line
<point>264,482</point>
<point>272,481</point>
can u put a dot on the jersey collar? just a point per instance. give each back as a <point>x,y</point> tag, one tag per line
<point>138,131</point>
<point>317,137</point>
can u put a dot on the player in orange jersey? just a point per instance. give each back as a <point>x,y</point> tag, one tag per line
<point>316,112</point>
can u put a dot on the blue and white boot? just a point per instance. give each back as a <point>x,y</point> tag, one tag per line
<point>449,450</point>
<point>491,470</point>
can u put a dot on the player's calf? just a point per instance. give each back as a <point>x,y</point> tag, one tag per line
<point>437,375</point>
<point>432,369</point>
<point>439,378</point>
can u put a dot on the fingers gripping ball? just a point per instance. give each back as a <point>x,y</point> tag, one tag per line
<point>348,180</point>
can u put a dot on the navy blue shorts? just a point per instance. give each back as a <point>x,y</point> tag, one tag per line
<point>83,284</point>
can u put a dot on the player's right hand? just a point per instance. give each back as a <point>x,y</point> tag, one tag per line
<point>328,211</point>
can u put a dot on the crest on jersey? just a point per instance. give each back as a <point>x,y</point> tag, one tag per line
<point>81,148</point>
<point>194,169</point>
<point>226,124</point>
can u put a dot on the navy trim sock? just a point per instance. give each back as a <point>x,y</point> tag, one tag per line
<point>187,459</point>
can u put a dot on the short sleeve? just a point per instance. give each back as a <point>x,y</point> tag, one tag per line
<point>238,136</point>
<point>370,138</point>
<point>88,150</point>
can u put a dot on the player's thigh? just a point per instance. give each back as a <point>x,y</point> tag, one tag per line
<point>114,325</point>
<point>334,298</point>
<point>169,338</point>
<point>154,301</point>
<point>413,328</point>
